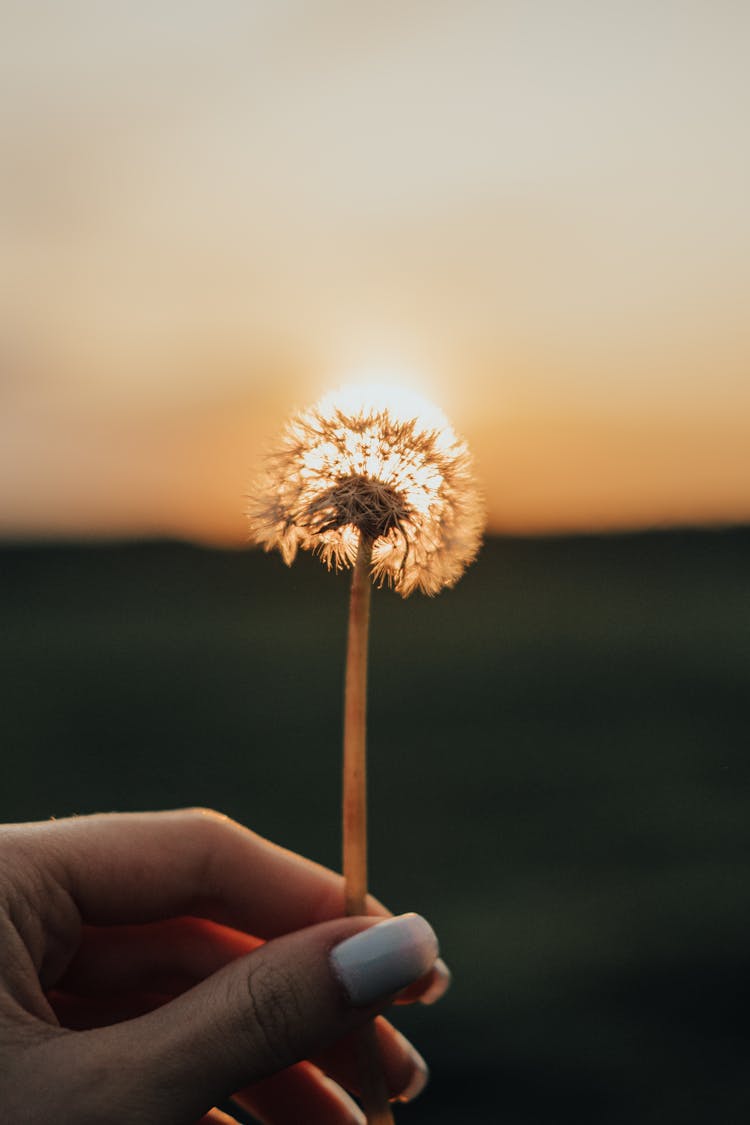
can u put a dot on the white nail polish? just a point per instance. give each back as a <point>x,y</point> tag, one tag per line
<point>419,1080</point>
<point>421,1074</point>
<point>441,982</point>
<point>382,960</point>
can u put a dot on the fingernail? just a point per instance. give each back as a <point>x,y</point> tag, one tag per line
<point>384,959</point>
<point>419,1080</point>
<point>356,1116</point>
<point>420,1076</point>
<point>441,982</point>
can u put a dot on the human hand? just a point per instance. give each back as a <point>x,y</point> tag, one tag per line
<point>153,964</point>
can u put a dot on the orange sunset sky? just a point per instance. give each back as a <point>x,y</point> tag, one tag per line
<point>536,214</point>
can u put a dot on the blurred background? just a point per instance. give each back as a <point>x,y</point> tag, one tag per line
<point>536,215</point>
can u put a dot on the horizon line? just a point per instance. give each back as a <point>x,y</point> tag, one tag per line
<point>51,540</point>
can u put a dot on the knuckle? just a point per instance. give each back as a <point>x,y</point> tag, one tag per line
<point>209,835</point>
<point>201,818</point>
<point>205,830</point>
<point>273,1016</point>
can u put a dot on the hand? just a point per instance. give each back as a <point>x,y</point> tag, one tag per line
<point>153,964</point>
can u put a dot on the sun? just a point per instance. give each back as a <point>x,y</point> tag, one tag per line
<point>385,390</point>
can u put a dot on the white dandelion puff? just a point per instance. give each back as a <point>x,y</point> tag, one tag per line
<point>393,474</point>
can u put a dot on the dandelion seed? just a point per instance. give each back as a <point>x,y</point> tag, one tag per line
<point>347,470</point>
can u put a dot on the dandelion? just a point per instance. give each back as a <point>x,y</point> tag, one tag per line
<point>375,481</point>
<point>345,472</point>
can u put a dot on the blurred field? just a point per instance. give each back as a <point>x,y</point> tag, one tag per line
<point>560,781</point>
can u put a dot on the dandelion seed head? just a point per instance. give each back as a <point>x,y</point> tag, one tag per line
<point>368,462</point>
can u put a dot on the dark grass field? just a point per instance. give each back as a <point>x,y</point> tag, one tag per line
<point>560,782</point>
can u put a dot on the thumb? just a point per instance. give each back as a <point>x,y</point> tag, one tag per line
<point>289,999</point>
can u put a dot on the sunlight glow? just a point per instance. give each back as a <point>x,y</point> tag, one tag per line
<point>391,388</point>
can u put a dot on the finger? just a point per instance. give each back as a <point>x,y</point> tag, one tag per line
<point>277,1100</point>
<point>217,1117</point>
<point>146,866</point>
<point>405,1071</point>
<point>169,956</point>
<point>430,988</point>
<point>292,997</point>
<point>81,1013</point>
<point>173,955</point>
<point>142,867</point>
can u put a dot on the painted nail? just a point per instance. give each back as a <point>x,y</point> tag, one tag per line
<point>420,1078</point>
<point>382,960</point>
<point>356,1116</point>
<point>421,1075</point>
<point>441,982</point>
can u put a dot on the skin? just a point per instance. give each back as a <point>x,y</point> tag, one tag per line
<point>155,964</point>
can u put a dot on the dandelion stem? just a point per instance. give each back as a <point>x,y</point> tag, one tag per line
<point>374,1093</point>
<point>355,721</point>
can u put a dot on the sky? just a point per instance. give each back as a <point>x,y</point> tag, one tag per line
<point>533,213</point>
